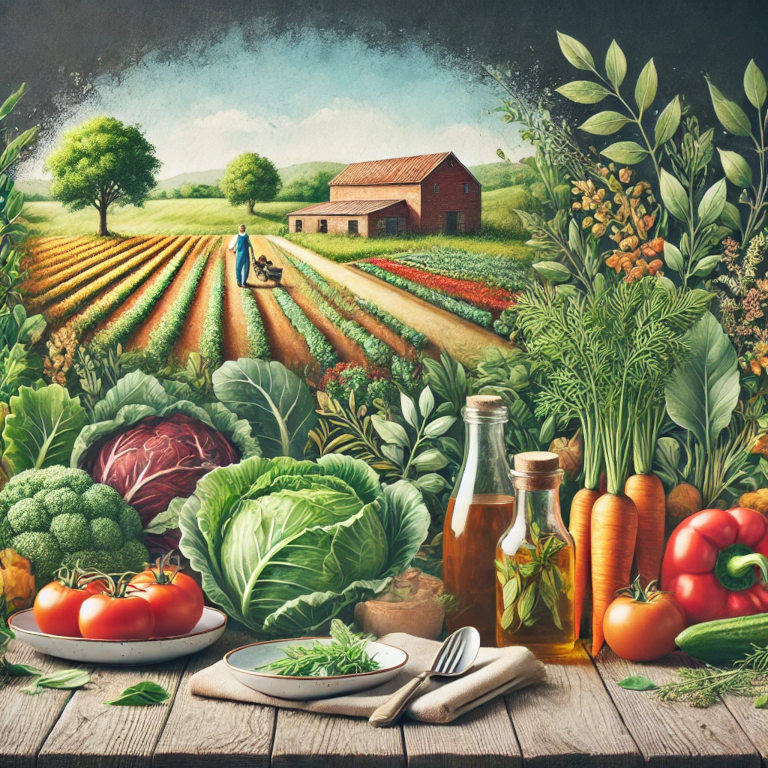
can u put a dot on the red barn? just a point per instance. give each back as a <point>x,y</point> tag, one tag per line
<point>422,193</point>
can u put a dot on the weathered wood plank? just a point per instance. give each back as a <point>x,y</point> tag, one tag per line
<point>91,734</point>
<point>212,731</point>
<point>673,734</point>
<point>571,722</point>
<point>753,721</point>
<point>305,740</point>
<point>26,721</point>
<point>482,739</point>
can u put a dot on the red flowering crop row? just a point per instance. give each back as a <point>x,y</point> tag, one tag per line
<point>487,297</point>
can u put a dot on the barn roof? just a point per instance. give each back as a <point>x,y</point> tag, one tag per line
<point>345,207</point>
<point>396,170</point>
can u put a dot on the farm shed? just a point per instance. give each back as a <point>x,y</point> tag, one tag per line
<point>422,193</point>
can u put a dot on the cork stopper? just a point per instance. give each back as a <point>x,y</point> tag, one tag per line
<point>484,402</point>
<point>537,470</point>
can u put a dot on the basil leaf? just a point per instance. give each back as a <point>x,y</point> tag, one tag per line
<point>66,679</point>
<point>638,683</point>
<point>761,702</point>
<point>141,694</point>
<point>22,670</point>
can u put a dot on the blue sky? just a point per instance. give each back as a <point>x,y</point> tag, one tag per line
<point>298,98</point>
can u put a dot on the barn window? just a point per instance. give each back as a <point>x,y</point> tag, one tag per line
<point>298,225</point>
<point>323,226</point>
<point>436,187</point>
<point>466,187</point>
<point>352,226</point>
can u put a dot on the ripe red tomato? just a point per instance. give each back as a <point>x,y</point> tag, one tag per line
<point>643,629</point>
<point>56,609</point>
<point>177,604</point>
<point>104,617</point>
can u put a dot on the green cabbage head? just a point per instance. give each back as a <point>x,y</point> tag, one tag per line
<point>284,545</point>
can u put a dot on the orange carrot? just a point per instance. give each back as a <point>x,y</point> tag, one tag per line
<point>613,536</point>
<point>579,527</point>
<point>648,494</point>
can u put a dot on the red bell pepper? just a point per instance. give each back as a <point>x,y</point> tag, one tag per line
<point>716,563</point>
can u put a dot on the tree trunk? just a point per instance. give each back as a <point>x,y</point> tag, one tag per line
<point>251,203</point>
<point>103,221</point>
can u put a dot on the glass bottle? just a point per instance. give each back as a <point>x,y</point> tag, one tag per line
<point>535,563</point>
<point>479,511</point>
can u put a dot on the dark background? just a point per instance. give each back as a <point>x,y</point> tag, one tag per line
<point>58,46</point>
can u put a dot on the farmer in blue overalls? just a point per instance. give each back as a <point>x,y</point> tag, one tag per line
<point>241,245</point>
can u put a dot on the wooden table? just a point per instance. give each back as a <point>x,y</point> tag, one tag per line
<point>579,718</point>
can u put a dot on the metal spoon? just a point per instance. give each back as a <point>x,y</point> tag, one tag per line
<point>456,655</point>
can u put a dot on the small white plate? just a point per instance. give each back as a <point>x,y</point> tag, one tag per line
<point>206,632</point>
<point>242,663</point>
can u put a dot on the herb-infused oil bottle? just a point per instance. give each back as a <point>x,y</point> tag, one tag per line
<point>479,511</point>
<point>535,563</point>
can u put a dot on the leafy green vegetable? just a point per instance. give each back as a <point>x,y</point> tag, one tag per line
<point>66,679</point>
<point>284,545</point>
<point>41,427</point>
<point>275,401</point>
<point>638,683</point>
<point>141,694</point>
<point>345,655</point>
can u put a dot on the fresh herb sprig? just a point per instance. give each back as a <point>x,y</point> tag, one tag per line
<point>704,686</point>
<point>345,655</point>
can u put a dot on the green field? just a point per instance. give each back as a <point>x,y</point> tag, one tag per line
<point>168,217</point>
<point>216,216</point>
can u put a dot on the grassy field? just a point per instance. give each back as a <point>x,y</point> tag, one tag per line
<point>170,217</point>
<point>218,217</point>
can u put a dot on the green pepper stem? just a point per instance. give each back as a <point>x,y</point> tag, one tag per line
<point>740,565</point>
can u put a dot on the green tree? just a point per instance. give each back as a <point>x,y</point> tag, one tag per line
<point>309,189</point>
<point>250,179</point>
<point>102,162</point>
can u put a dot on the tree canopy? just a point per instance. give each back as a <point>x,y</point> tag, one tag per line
<point>309,189</point>
<point>250,178</point>
<point>102,162</point>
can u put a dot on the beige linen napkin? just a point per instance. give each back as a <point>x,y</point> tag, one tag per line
<point>497,671</point>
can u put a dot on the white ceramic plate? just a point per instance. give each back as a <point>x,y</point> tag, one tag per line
<point>206,632</point>
<point>242,662</point>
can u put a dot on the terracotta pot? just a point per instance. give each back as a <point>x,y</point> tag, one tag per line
<point>411,604</point>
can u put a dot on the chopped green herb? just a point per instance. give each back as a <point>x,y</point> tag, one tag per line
<point>345,655</point>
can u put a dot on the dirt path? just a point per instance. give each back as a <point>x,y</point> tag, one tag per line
<point>141,334</point>
<point>285,343</point>
<point>189,340</point>
<point>235,329</point>
<point>461,339</point>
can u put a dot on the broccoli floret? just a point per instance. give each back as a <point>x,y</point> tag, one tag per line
<point>12,495</point>
<point>63,501</point>
<point>134,556</point>
<point>71,531</point>
<point>28,515</point>
<point>106,534</point>
<point>29,482</point>
<point>90,560</point>
<point>6,532</point>
<point>102,501</point>
<point>40,496</point>
<point>129,522</point>
<point>75,479</point>
<point>42,550</point>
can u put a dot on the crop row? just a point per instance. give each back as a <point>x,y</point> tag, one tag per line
<point>350,304</point>
<point>97,278</point>
<point>48,263</point>
<point>411,335</point>
<point>375,349</point>
<point>319,347</point>
<point>164,334</point>
<point>121,328</point>
<point>104,305</point>
<point>506,272</point>
<point>258,346</point>
<point>492,298</point>
<point>456,306</point>
<point>76,264</point>
<point>211,344</point>
<point>45,248</point>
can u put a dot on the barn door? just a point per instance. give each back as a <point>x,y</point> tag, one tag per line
<point>451,222</point>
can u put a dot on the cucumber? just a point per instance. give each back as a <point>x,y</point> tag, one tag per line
<point>723,641</point>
